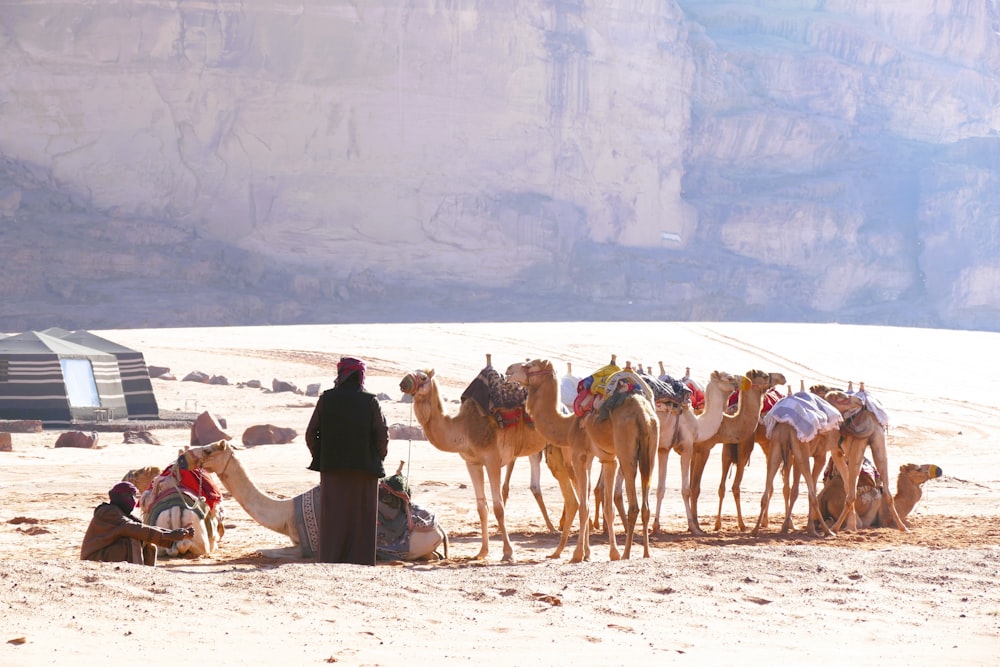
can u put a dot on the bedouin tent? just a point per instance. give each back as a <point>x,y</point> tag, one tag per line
<point>139,397</point>
<point>57,381</point>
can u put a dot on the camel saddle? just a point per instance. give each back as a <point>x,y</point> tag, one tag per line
<point>498,397</point>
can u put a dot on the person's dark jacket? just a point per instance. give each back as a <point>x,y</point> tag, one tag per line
<point>114,536</point>
<point>347,431</point>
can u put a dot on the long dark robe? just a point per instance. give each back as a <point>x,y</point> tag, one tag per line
<point>348,517</point>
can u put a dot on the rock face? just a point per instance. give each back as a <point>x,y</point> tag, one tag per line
<point>169,165</point>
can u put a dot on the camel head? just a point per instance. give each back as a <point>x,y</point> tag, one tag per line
<point>728,380</point>
<point>919,474</point>
<point>416,380</point>
<point>530,371</point>
<point>210,457</point>
<point>822,390</point>
<point>845,403</point>
<point>142,477</point>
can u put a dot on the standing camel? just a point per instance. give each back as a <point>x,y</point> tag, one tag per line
<point>863,427</point>
<point>800,427</point>
<point>680,429</point>
<point>735,428</point>
<point>627,438</point>
<point>479,440</point>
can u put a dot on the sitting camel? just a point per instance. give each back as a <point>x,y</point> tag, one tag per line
<point>180,497</point>
<point>297,518</point>
<point>872,512</point>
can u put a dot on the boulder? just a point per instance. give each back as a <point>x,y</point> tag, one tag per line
<point>268,434</point>
<point>313,389</point>
<point>5,443</point>
<point>196,376</point>
<point>78,439</point>
<point>140,437</point>
<point>157,371</point>
<point>279,386</point>
<point>219,379</point>
<point>207,429</point>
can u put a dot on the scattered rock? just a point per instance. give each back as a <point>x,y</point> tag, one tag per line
<point>157,371</point>
<point>313,389</point>
<point>140,437</point>
<point>78,439</point>
<point>196,376</point>
<point>253,384</point>
<point>382,396</point>
<point>278,386</point>
<point>404,432</point>
<point>406,398</point>
<point>168,376</point>
<point>5,444</point>
<point>21,425</point>
<point>268,434</point>
<point>219,379</point>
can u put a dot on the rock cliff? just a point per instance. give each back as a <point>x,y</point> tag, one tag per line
<point>175,164</point>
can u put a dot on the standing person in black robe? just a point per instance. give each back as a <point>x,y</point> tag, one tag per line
<point>348,440</point>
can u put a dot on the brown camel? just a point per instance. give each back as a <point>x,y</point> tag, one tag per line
<point>872,512</point>
<point>739,427</point>
<point>680,429</point>
<point>627,438</point>
<point>479,440</point>
<point>793,444</point>
<point>861,429</point>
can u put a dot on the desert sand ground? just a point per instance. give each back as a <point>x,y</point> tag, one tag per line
<point>927,597</point>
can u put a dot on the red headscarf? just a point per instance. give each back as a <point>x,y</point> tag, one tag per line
<point>348,366</point>
<point>123,495</point>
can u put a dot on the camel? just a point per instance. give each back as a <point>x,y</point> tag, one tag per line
<point>872,512</point>
<point>680,429</point>
<point>166,503</point>
<point>800,427</point>
<point>280,515</point>
<point>141,477</point>
<point>739,427</point>
<point>479,440</point>
<point>863,427</point>
<point>628,436</point>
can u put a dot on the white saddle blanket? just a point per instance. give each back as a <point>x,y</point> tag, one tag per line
<point>807,412</point>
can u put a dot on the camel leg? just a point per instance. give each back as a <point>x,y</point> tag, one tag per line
<point>727,462</point>
<point>581,465</point>
<point>618,497</point>
<point>564,475</point>
<point>661,484</point>
<point>505,491</point>
<point>699,459</point>
<point>743,451</point>
<point>849,467</point>
<point>598,500</point>
<point>608,470</point>
<point>536,487</point>
<point>686,454</point>
<point>774,458</point>
<point>479,487</point>
<point>498,511</point>
<point>881,459</point>
<point>819,462</point>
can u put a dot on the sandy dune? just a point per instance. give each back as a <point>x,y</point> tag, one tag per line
<point>919,598</point>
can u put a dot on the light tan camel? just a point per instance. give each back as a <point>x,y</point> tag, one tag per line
<point>166,503</point>
<point>787,448</point>
<point>739,427</point>
<point>279,514</point>
<point>860,431</point>
<point>479,440</point>
<point>627,438</point>
<point>680,429</point>
<point>142,477</point>
<point>872,512</point>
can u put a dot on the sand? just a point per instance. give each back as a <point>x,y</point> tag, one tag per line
<point>926,597</point>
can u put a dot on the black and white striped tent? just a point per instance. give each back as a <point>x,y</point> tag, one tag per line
<point>139,398</point>
<point>57,381</point>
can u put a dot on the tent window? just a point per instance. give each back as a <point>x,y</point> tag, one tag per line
<point>81,388</point>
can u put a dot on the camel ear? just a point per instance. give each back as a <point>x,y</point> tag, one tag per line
<point>430,373</point>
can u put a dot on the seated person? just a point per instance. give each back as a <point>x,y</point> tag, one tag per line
<point>114,535</point>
